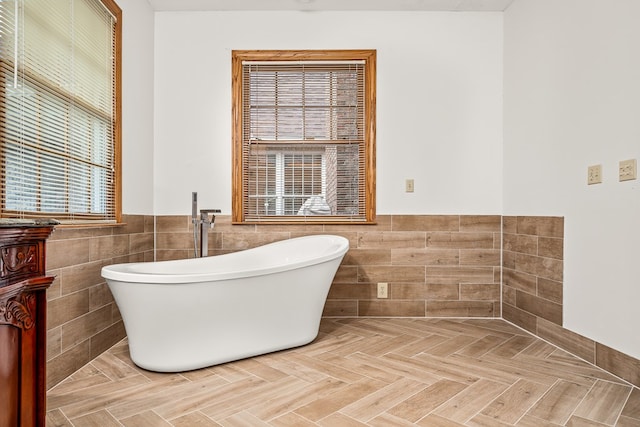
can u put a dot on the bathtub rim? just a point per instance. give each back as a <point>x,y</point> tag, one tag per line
<point>138,272</point>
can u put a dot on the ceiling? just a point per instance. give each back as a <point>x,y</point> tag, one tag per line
<point>319,5</point>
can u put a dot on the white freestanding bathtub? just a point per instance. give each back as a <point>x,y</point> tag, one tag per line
<point>189,314</point>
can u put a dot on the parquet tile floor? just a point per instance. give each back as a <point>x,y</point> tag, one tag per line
<point>360,372</point>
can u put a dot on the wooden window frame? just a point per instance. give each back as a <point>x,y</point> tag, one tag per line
<point>115,214</point>
<point>369,159</point>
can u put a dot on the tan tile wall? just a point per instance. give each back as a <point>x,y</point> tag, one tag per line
<point>435,265</point>
<point>532,285</point>
<point>82,318</point>
<point>532,270</point>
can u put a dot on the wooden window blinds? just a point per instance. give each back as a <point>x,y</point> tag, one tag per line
<point>304,136</point>
<point>59,110</point>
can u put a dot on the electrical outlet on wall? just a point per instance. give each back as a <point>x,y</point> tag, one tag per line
<point>627,170</point>
<point>383,290</point>
<point>409,186</point>
<point>594,174</point>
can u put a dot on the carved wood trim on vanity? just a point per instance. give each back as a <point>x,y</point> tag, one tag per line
<point>23,302</point>
<point>18,259</point>
<point>18,311</point>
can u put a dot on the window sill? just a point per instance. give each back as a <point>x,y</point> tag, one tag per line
<point>90,224</point>
<point>287,222</point>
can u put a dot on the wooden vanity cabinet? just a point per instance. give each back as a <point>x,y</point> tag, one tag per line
<point>23,304</point>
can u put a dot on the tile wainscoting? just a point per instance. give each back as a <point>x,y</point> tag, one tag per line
<point>532,283</point>
<point>435,265</point>
<point>82,319</point>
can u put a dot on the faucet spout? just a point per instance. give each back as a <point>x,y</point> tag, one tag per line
<point>206,223</point>
<point>201,225</point>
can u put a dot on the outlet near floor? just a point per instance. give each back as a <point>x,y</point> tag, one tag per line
<point>383,290</point>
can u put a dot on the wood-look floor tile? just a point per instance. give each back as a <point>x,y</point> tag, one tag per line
<point>325,406</point>
<point>432,420</point>
<point>481,346</point>
<point>198,374</point>
<point>433,365</point>
<point>229,401</point>
<point>369,369</point>
<point>56,418</point>
<point>96,398</point>
<point>531,421</point>
<point>100,418</point>
<point>327,368</point>
<point>242,419</point>
<point>289,367</point>
<point>537,372</point>
<point>171,391</point>
<point>373,372</point>
<point>339,419</point>
<point>471,401</point>
<point>452,345</point>
<point>292,420</point>
<point>216,404</point>
<point>388,420</point>
<point>538,348</point>
<point>261,370</point>
<point>420,345</point>
<point>576,421</point>
<point>384,344</point>
<point>343,345</point>
<point>604,402</point>
<point>381,400</point>
<point>114,367</point>
<point>73,384</point>
<point>559,402</point>
<point>512,347</point>
<point>298,394</point>
<point>515,401</point>
<point>194,419</point>
<point>563,358</point>
<point>478,328</point>
<point>490,369</point>
<point>482,420</point>
<point>425,401</point>
<point>145,419</point>
<point>624,421</point>
<point>397,368</point>
<point>632,407</point>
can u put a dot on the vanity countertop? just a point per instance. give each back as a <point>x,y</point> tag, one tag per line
<point>16,222</point>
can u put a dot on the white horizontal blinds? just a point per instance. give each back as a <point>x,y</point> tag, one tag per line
<point>303,140</point>
<point>58,109</point>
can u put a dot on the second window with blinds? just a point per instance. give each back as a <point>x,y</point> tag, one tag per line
<point>304,136</point>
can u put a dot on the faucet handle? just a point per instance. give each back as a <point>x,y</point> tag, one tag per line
<point>204,216</point>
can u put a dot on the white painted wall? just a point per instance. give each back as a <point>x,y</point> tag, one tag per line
<point>439,115</point>
<point>572,99</point>
<point>137,108</point>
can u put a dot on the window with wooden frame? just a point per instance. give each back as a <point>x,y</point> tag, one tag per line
<point>60,110</point>
<point>304,136</point>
